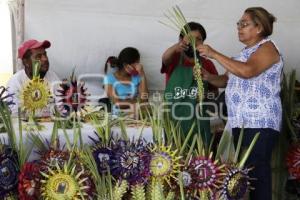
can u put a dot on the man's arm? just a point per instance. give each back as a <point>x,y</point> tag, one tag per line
<point>179,47</point>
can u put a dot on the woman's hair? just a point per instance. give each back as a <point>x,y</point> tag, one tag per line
<point>129,55</point>
<point>262,17</point>
<point>194,26</point>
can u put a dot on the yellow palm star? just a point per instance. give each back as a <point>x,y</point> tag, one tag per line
<point>35,95</point>
<point>66,183</point>
<point>164,163</point>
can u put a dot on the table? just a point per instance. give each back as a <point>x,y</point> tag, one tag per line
<point>86,131</point>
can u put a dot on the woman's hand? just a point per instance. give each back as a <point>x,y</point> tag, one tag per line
<point>131,69</point>
<point>206,76</point>
<point>206,51</point>
<point>139,68</point>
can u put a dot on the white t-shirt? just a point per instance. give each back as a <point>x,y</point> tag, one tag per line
<point>17,81</point>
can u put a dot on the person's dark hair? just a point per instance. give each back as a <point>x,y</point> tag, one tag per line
<point>262,17</point>
<point>194,26</point>
<point>129,55</point>
<point>27,54</point>
<point>26,57</point>
<point>108,63</point>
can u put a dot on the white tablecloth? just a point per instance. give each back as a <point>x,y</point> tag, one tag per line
<point>86,131</point>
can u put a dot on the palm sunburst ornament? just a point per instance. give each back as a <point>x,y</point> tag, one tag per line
<point>131,162</point>
<point>104,157</point>
<point>236,183</point>
<point>35,95</point>
<point>65,183</point>
<point>102,153</point>
<point>72,95</point>
<point>205,173</point>
<point>164,164</point>
<point>8,170</point>
<point>29,181</point>
<point>293,161</point>
<point>53,154</point>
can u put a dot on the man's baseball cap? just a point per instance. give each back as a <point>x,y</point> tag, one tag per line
<point>32,44</point>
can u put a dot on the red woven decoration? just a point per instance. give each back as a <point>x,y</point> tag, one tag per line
<point>293,161</point>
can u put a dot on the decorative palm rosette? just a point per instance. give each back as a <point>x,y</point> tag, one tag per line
<point>203,175</point>
<point>72,95</point>
<point>131,162</point>
<point>8,170</point>
<point>54,154</point>
<point>293,161</point>
<point>164,164</point>
<point>35,95</point>
<point>236,183</point>
<point>29,181</point>
<point>66,182</point>
<point>103,154</point>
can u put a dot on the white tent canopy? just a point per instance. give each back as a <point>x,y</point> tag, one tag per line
<point>84,33</point>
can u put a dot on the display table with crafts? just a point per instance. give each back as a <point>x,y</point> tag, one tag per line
<point>133,132</point>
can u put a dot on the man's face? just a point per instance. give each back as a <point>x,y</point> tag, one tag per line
<point>39,54</point>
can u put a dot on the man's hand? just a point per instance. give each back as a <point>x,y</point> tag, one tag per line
<point>182,45</point>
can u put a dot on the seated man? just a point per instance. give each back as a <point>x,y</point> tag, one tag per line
<point>29,51</point>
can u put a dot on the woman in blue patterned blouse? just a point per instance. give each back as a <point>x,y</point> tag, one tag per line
<point>252,92</point>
